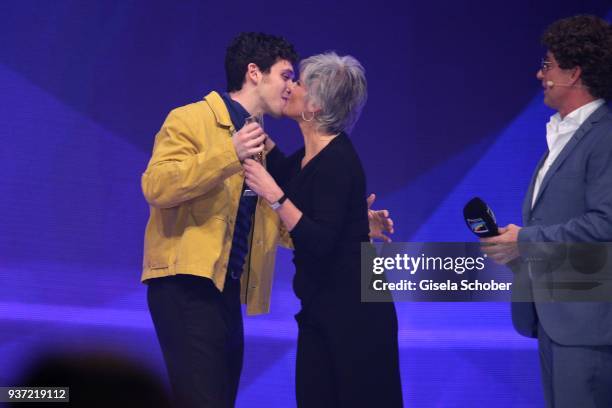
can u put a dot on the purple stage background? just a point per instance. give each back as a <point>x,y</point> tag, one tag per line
<point>454,111</point>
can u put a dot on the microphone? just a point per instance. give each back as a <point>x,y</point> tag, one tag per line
<point>480,218</point>
<point>552,84</point>
<point>481,221</point>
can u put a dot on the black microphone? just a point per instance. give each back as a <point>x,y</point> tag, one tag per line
<point>480,218</point>
<point>481,221</point>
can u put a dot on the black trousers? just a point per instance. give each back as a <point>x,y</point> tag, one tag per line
<point>347,354</point>
<point>201,336</point>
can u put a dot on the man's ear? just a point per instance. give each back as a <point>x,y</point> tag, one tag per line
<point>253,74</point>
<point>576,75</point>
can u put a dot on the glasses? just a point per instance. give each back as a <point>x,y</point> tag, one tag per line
<point>545,65</point>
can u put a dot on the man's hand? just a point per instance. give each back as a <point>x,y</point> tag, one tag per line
<point>379,222</point>
<point>269,143</point>
<point>504,247</point>
<point>249,141</point>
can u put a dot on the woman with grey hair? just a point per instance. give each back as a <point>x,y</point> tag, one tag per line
<point>347,354</point>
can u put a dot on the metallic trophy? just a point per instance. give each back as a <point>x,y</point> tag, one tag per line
<point>259,156</point>
<point>256,119</point>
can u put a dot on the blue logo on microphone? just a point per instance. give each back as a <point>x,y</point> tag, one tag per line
<point>478,226</point>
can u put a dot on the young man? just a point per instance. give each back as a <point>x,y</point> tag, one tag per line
<point>205,233</point>
<point>570,200</point>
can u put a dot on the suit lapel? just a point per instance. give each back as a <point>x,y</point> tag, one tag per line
<point>569,147</point>
<point>529,196</point>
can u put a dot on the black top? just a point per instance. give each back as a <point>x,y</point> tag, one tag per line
<point>331,193</point>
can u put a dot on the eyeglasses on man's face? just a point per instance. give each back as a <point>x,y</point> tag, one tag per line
<point>546,65</point>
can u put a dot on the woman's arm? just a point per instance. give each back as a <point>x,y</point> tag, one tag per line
<point>318,232</point>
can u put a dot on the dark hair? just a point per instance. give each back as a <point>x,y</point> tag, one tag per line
<point>261,49</point>
<point>584,41</point>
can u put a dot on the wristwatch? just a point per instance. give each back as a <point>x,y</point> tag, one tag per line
<point>275,205</point>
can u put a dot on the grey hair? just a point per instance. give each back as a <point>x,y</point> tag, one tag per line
<point>338,86</point>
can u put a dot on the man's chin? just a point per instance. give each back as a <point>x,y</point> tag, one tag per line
<point>547,102</point>
<point>277,113</point>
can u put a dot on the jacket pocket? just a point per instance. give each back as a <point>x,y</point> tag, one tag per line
<point>203,241</point>
<point>214,204</point>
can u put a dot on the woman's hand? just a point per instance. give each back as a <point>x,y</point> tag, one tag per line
<point>260,181</point>
<point>380,222</point>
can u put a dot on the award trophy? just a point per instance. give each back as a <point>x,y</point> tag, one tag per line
<point>259,156</point>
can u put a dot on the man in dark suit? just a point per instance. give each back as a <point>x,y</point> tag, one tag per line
<point>569,200</point>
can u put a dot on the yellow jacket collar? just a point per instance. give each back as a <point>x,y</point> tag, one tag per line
<point>217,105</point>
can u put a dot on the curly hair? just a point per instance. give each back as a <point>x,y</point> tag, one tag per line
<point>584,41</point>
<point>261,49</point>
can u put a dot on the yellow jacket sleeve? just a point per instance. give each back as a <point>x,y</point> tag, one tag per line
<point>190,157</point>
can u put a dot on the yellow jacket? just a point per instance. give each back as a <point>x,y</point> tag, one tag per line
<point>193,184</point>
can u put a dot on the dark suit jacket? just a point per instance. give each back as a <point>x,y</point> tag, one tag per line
<point>574,204</point>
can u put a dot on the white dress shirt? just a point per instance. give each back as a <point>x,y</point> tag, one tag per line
<point>558,133</point>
